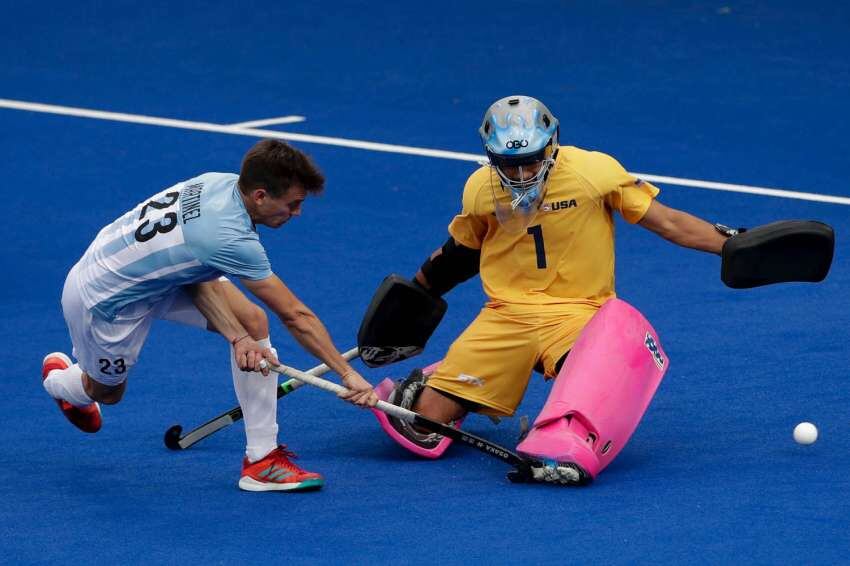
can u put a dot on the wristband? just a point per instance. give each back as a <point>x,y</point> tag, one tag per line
<point>235,340</point>
<point>727,231</point>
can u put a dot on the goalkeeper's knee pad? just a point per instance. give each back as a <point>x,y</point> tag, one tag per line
<point>404,393</point>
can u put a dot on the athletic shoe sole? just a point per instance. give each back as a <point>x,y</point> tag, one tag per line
<point>61,356</point>
<point>247,483</point>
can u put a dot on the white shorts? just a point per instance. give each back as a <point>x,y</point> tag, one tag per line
<point>106,350</point>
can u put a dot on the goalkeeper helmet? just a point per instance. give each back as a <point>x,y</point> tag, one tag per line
<point>520,137</point>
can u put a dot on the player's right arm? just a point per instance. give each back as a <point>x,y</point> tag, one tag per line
<point>409,312</point>
<point>448,266</point>
<point>459,259</point>
<point>309,331</point>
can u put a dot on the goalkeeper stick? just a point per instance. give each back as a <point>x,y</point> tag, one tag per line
<point>523,466</point>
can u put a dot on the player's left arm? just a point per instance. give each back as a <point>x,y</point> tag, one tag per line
<point>682,228</point>
<point>311,333</point>
<point>212,301</point>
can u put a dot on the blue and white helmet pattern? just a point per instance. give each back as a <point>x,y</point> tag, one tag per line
<point>520,137</point>
<point>518,128</point>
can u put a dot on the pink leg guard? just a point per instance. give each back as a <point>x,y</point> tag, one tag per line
<point>602,391</point>
<point>383,391</point>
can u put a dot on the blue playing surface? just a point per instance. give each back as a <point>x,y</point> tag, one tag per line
<point>745,92</point>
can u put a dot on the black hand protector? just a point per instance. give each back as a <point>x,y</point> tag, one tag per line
<point>399,321</point>
<point>790,250</point>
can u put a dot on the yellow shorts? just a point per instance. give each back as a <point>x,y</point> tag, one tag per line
<point>491,361</point>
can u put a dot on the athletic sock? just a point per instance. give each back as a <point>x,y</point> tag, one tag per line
<point>257,394</point>
<point>67,385</point>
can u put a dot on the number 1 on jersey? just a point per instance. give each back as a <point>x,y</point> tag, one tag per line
<point>536,232</point>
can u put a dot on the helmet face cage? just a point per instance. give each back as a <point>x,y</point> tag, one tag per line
<point>517,203</point>
<point>519,132</point>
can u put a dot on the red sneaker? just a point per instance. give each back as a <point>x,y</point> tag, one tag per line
<point>87,418</point>
<point>276,472</point>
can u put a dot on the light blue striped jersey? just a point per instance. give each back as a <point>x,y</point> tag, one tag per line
<point>195,231</point>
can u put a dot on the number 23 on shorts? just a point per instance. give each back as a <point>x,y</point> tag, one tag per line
<point>112,367</point>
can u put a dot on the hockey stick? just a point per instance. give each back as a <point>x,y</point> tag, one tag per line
<point>523,466</point>
<point>175,441</point>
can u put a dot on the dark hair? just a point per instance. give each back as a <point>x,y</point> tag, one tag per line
<point>277,166</point>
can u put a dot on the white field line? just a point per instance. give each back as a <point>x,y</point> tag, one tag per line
<point>783,193</point>
<point>373,146</point>
<point>223,129</point>
<point>269,122</point>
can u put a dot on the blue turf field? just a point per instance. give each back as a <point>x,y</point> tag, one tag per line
<point>752,93</point>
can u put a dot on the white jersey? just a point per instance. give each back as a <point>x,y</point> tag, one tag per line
<point>194,231</point>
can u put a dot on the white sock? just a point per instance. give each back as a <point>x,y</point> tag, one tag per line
<point>257,396</point>
<point>67,385</point>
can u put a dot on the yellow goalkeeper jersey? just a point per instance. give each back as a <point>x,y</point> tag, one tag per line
<point>567,253</point>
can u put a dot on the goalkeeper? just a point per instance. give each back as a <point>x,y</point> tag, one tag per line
<point>537,223</point>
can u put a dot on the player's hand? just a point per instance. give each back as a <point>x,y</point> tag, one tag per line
<point>249,354</point>
<point>359,392</point>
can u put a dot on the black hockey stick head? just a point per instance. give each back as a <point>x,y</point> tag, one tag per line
<point>521,475</point>
<point>172,437</point>
<point>523,471</point>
